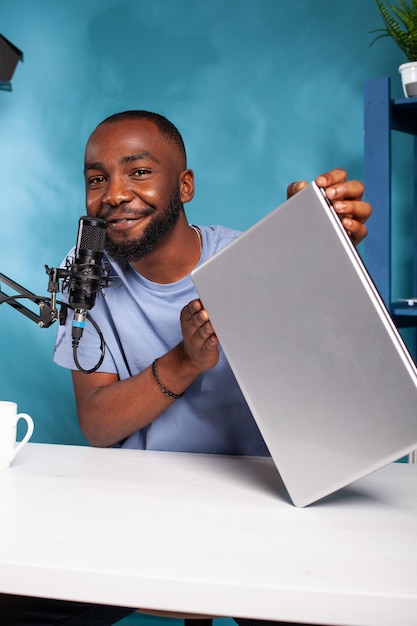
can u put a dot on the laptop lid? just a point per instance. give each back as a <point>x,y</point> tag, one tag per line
<point>323,369</point>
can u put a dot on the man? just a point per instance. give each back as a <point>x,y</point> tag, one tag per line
<point>137,179</point>
<point>164,383</point>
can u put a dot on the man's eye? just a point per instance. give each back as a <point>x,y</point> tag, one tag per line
<point>95,180</point>
<point>141,172</point>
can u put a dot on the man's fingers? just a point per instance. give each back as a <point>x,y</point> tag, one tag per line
<point>295,187</point>
<point>360,211</point>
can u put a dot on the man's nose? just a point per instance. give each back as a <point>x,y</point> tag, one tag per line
<point>117,191</point>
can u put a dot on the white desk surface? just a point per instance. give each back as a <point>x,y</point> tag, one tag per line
<point>207,534</point>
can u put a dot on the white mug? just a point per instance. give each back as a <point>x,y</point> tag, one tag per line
<point>9,418</point>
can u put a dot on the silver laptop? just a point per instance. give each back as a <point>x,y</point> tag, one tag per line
<point>325,373</point>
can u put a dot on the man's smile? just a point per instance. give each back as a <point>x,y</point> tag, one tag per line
<point>122,223</point>
<point>127,220</point>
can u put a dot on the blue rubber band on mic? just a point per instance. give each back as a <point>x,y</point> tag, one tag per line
<point>78,324</point>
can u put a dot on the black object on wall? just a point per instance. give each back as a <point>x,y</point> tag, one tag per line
<point>10,55</point>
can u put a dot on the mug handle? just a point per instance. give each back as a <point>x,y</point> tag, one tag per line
<point>28,435</point>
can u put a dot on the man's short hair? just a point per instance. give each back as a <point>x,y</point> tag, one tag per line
<point>166,128</point>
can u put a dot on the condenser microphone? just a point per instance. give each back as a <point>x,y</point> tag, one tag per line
<point>87,275</point>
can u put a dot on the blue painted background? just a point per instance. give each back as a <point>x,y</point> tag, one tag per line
<point>264,92</point>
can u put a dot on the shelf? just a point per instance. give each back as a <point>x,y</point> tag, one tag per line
<point>404,313</point>
<point>382,116</point>
<point>404,115</point>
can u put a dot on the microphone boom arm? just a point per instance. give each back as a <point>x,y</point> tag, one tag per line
<point>48,312</point>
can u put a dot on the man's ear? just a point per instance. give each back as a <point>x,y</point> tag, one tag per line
<point>187,185</point>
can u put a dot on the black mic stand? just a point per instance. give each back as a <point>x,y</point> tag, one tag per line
<point>48,312</point>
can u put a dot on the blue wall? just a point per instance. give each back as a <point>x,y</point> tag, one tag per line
<point>264,92</point>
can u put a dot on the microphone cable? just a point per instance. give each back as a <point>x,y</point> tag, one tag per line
<point>46,302</point>
<point>75,343</point>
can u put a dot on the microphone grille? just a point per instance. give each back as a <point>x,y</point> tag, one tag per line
<point>92,234</point>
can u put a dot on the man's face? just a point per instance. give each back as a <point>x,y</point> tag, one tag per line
<point>132,177</point>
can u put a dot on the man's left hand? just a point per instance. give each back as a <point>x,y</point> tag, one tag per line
<point>346,198</point>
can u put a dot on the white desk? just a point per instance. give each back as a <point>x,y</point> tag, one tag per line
<point>207,534</point>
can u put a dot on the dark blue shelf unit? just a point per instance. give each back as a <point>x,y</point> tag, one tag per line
<point>382,116</point>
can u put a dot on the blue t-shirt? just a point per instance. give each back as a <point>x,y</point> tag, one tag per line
<point>139,320</point>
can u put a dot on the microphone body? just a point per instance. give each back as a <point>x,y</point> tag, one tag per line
<point>87,273</point>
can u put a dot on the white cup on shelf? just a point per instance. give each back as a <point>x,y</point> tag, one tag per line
<point>9,418</point>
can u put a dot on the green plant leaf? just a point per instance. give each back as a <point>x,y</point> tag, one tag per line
<point>400,24</point>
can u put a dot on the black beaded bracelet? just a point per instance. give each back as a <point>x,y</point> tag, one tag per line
<point>162,387</point>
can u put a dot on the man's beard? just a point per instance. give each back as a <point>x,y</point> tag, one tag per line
<point>160,225</point>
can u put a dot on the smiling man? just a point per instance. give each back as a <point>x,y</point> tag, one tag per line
<point>164,383</point>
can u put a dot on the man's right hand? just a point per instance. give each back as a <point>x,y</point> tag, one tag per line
<point>201,345</point>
